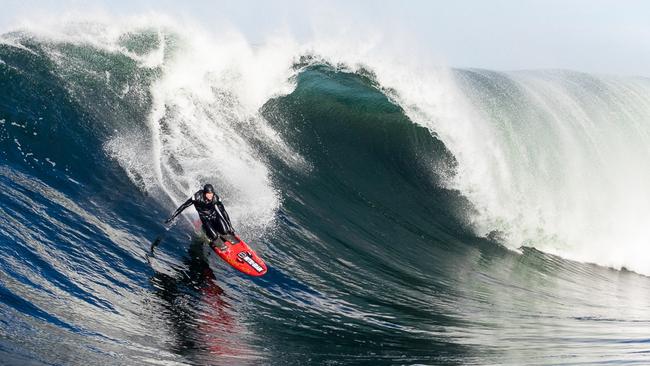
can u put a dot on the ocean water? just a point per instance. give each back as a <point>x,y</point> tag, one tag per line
<point>409,214</point>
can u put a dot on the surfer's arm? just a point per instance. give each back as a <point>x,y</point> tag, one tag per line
<point>180,209</point>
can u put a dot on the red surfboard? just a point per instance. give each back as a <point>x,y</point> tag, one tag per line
<point>240,256</point>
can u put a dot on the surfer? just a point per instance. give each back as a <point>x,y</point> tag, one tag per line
<point>213,215</point>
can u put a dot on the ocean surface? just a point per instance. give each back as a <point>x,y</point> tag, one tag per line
<point>409,214</point>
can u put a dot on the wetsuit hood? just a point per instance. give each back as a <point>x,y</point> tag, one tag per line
<point>208,188</point>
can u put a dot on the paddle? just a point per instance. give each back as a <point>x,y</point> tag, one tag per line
<point>160,237</point>
<point>155,243</point>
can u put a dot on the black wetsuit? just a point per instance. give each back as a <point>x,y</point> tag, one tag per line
<point>213,215</point>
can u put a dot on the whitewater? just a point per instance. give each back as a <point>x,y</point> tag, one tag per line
<point>520,198</point>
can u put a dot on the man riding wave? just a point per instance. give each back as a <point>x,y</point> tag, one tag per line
<point>213,215</point>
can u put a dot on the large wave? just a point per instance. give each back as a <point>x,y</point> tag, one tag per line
<point>335,160</point>
<point>548,159</point>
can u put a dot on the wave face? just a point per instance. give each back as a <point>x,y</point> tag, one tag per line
<point>383,196</point>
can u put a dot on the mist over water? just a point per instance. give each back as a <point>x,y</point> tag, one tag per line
<point>409,213</point>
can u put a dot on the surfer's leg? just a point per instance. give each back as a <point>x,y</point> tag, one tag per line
<point>208,229</point>
<point>219,226</point>
<point>212,229</point>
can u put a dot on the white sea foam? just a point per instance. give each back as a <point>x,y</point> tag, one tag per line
<point>551,160</point>
<point>204,119</point>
